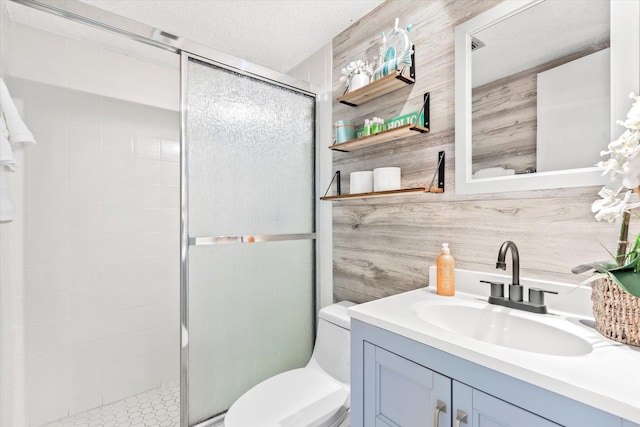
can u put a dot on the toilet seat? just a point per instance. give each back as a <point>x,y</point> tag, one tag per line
<point>304,397</point>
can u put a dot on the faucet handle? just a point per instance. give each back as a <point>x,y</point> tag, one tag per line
<point>536,295</point>
<point>497,288</point>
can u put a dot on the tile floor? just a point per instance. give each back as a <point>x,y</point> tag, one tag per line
<point>158,407</point>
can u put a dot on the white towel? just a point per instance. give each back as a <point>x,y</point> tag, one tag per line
<point>18,132</point>
<point>13,133</point>
<point>493,172</point>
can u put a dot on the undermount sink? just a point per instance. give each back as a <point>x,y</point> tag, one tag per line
<point>504,327</point>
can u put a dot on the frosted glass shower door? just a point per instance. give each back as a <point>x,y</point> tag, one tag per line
<point>250,275</point>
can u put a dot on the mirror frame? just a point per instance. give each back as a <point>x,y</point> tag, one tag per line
<point>625,78</point>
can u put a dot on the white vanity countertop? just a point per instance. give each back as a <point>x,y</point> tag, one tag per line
<point>607,378</point>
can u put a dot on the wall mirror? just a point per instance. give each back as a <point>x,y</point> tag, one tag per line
<point>539,86</point>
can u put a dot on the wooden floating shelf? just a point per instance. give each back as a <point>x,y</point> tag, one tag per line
<point>379,138</point>
<point>385,193</point>
<point>376,89</point>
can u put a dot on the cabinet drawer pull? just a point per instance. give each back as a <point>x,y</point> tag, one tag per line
<point>461,417</point>
<point>440,407</point>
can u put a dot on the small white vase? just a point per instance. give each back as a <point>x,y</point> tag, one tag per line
<point>357,81</point>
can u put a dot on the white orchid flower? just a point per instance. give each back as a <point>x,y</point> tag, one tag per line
<point>611,207</point>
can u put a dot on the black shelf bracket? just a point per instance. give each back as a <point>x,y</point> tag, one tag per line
<point>412,68</point>
<point>425,110</point>
<point>441,170</point>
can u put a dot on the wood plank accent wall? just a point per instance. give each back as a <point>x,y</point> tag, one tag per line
<point>385,246</point>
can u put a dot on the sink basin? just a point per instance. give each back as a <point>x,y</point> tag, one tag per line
<point>504,327</point>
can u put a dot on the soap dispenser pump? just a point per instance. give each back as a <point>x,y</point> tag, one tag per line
<point>445,272</point>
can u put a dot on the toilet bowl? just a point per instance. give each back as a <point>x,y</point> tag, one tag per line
<point>317,395</point>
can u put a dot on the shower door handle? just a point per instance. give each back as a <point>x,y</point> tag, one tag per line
<point>224,240</point>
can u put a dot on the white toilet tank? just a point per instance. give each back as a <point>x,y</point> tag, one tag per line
<point>332,348</point>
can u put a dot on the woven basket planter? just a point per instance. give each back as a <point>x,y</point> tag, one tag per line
<point>617,313</point>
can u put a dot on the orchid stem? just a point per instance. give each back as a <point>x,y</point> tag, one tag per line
<point>623,242</point>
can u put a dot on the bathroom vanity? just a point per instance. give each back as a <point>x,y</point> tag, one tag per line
<point>419,359</point>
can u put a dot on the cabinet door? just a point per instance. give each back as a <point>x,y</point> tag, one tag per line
<point>401,393</point>
<point>483,410</point>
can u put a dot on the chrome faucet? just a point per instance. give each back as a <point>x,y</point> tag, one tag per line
<point>536,295</point>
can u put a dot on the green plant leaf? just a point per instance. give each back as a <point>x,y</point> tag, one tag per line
<point>626,276</point>
<point>600,266</point>
<point>629,280</point>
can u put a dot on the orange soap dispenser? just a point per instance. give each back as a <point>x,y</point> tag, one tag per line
<point>445,272</point>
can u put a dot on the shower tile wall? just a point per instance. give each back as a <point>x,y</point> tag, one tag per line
<point>89,290</point>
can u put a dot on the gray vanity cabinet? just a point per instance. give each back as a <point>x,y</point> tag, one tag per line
<point>399,392</point>
<point>399,382</point>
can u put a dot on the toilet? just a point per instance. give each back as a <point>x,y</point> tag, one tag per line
<point>317,395</point>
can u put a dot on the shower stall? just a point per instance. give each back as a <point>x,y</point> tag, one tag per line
<point>161,255</point>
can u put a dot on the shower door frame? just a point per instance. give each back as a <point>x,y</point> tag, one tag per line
<point>186,241</point>
<point>134,30</point>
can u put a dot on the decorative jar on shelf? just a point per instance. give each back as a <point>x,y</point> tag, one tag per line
<point>357,81</point>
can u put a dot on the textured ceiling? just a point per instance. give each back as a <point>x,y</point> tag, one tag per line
<point>277,34</point>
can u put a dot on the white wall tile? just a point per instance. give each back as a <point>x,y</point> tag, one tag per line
<point>85,110</point>
<point>82,330</point>
<point>148,220</point>
<point>118,271</point>
<point>86,383</point>
<point>88,401</point>
<point>85,192</point>
<point>116,143</point>
<point>47,191</point>
<point>85,166</point>
<point>170,173</point>
<point>118,168</point>
<point>119,220</point>
<point>149,269</point>
<point>19,313</point>
<point>46,278</point>
<point>86,303</point>
<point>119,194</point>
<point>171,220</point>
<point>86,356</point>
<point>170,196</point>
<point>46,248</point>
<point>147,148</point>
<point>47,220</point>
<point>85,140</point>
<point>46,162</point>
<point>118,245</point>
<point>117,115</point>
<point>171,150</point>
<point>18,339</point>
<point>86,247</point>
<point>84,81</point>
<point>50,134</point>
<point>47,307</point>
<point>86,220</point>
<point>150,244</point>
<point>149,196</point>
<point>148,171</point>
<point>47,336</point>
<point>85,274</point>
